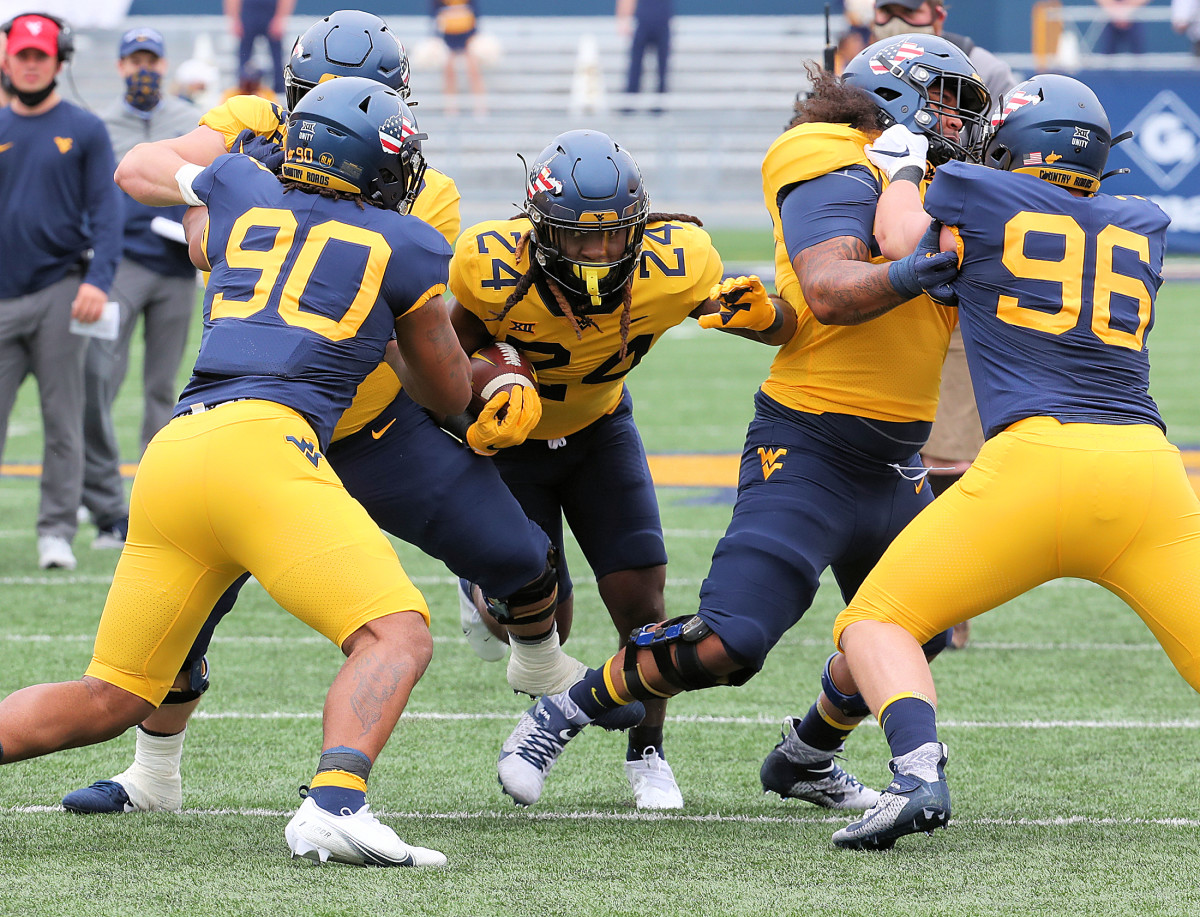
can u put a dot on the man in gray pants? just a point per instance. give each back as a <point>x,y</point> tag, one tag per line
<point>155,281</point>
<point>58,201</point>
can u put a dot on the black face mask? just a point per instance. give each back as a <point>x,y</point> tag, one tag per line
<point>143,90</point>
<point>34,99</point>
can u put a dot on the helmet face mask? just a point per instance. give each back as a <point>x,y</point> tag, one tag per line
<point>1054,127</point>
<point>927,84</point>
<point>585,198</point>
<point>346,43</point>
<point>356,136</point>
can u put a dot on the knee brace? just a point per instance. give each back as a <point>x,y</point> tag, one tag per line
<point>532,603</point>
<point>851,705</point>
<point>682,669</point>
<point>197,673</point>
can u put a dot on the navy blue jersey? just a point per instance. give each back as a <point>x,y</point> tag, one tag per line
<point>304,291</point>
<point>1055,296</point>
<point>59,199</point>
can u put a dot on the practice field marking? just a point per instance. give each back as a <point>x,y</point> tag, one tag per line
<point>707,818</point>
<point>605,641</point>
<point>705,719</point>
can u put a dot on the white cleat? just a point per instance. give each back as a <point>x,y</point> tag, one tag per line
<point>542,668</point>
<point>357,838</point>
<point>532,748</point>
<point>487,646</point>
<point>653,783</point>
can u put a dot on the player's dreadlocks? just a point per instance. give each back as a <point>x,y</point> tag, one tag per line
<point>833,102</point>
<point>535,271</point>
<point>360,199</point>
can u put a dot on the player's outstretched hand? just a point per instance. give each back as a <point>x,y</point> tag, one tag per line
<point>487,433</point>
<point>258,147</point>
<point>897,148</point>
<point>927,268</point>
<point>743,303</point>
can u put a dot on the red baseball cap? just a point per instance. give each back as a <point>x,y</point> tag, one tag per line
<point>33,31</point>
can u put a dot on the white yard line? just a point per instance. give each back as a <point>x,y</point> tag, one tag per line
<point>713,818</point>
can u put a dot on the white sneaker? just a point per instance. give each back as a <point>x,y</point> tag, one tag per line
<point>542,668</point>
<point>487,646</point>
<point>55,551</point>
<point>653,783</point>
<point>357,838</point>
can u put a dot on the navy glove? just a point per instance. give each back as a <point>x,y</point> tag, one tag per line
<point>266,151</point>
<point>925,269</point>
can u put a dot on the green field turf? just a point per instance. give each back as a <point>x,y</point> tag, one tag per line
<point>1074,746</point>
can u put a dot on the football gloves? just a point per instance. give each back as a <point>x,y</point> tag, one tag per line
<point>926,269</point>
<point>487,433</point>
<point>896,149</point>
<point>743,303</point>
<point>256,146</point>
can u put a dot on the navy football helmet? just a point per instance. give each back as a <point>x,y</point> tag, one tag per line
<point>1054,127</point>
<point>346,43</point>
<point>352,134</point>
<point>583,182</point>
<point>918,79</point>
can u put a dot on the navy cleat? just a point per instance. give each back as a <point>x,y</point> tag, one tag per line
<point>621,718</point>
<point>917,799</point>
<point>102,797</point>
<point>531,750</point>
<point>796,770</point>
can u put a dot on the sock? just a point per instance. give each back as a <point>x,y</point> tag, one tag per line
<point>820,730</point>
<point>158,754</point>
<point>593,694</point>
<point>648,737</point>
<point>340,785</point>
<point>908,721</point>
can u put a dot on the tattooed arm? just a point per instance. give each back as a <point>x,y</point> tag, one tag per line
<point>841,286</point>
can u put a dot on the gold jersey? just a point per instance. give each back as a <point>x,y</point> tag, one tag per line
<point>885,369</point>
<point>437,205</point>
<point>581,380</point>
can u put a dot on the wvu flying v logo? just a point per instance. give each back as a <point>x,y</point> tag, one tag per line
<point>64,144</point>
<point>307,449</point>
<point>771,460</point>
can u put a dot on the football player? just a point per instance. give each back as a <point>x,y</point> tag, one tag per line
<point>829,471</point>
<point>238,481</point>
<point>1076,478</point>
<point>414,481</point>
<point>583,284</point>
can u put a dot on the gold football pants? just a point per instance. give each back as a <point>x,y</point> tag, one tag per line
<point>1101,502</point>
<point>235,488</point>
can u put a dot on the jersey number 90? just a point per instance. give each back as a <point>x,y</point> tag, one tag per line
<point>269,263</point>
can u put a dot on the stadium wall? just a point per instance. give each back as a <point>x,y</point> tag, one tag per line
<point>1001,27</point>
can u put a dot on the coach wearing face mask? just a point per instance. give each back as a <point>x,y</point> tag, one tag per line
<point>155,281</point>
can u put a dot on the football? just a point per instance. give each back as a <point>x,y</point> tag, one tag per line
<point>498,367</point>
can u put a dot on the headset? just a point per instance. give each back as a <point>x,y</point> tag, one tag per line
<point>66,35</point>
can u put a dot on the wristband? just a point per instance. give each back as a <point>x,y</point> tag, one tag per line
<point>184,176</point>
<point>914,174</point>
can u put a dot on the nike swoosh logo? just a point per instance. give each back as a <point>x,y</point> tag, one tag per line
<point>375,434</point>
<point>887,153</point>
<point>5,146</point>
